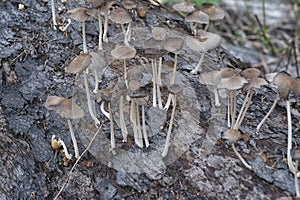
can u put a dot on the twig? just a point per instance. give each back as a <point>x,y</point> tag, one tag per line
<point>72,169</point>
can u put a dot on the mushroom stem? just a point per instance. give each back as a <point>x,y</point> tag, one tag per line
<point>68,156</point>
<point>104,112</point>
<point>105,39</point>
<point>167,144</point>
<point>112,133</point>
<point>168,102</point>
<point>53,15</point>
<point>197,68</point>
<point>73,138</point>
<point>144,127</point>
<point>290,135</point>
<point>159,97</point>
<point>122,119</point>
<point>84,37</point>
<point>125,73</point>
<point>244,109</point>
<point>267,115</point>
<point>217,100</point>
<point>128,32</point>
<point>233,107</point>
<point>154,71</point>
<point>296,179</point>
<point>240,157</point>
<point>96,81</point>
<point>125,35</point>
<point>172,80</point>
<point>228,112</point>
<point>100,47</point>
<point>158,81</point>
<point>139,130</point>
<point>97,122</point>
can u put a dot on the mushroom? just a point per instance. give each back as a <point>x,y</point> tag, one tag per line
<point>233,135</point>
<point>214,12</point>
<point>232,84</point>
<point>185,7</point>
<point>203,42</point>
<point>106,95</point>
<point>67,109</point>
<point>172,45</point>
<point>80,64</point>
<point>254,81</point>
<point>82,15</point>
<point>123,53</point>
<point>174,89</point>
<point>97,4</point>
<point>97,65</point>
<point>296,157</point>
<point>195,18</point>
<point>122,16</point>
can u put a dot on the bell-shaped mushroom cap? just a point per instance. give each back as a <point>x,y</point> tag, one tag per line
<point>152,43</point>
<point>184,7</point>
<point>232,135</point>
<point>214,12</point>
<point>203,42</point>
<point>120,16</point>
<point>284,83</point>
<point>81,14</point>
<point>210,78</point>
<point>78,64</point>
<point>104,94</point>
<point>159,33</point>
<point>255,83</point>
<point>197,17</point>
<point>232,83</point>
<point>270,77</point>
<point>228,72</point>
<point>173,44</point>
<point>251,73</point>
<point>175,88</point>
<point>66,108</point>
<point>123,52</point>
<point>153,53</point>
<point>129,5</point>
<point>96,3</point>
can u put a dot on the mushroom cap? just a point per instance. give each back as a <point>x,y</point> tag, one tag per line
<point>284,83</point>
<point>153,53</point>
<point>129,5</point>
<point>96,3</point>
<point>296,86</point>
<point>214,12</point>
<point>134,85</point>
<point>251,73</point>
<point>184,7</point>
<point>123,52</point>
<point>66,108</point>
<point>232,135</point>
<point>173,44</point>
<point>152,43</point>
<point>175,88</point>
<point>228,72</point>
<point>255,83</point>
<point>120,16</point>
<point>198,17</point>
<point>104,94</point>
<point>210,78</point>
<point>78,64</point>
<point>232,83</point>
<point>203,42</point>
<point>81,14</point>
<point>159,33</point>
<point>137,94</point>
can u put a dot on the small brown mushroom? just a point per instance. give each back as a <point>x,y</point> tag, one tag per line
<point>67,109</point>
<point>214,12</point>
<point>195,18</point>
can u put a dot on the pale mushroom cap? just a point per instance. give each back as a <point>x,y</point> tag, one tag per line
<point>152,43</point>
<point>123,52</point>
<point>210,78</point>
<point>66,108</point>
<point>173,44</point>
<point>134,85</point>
<point>197,17</point>
<point>270,76</point>
<point>251,73</point>
<point>104,94</point>
<point>81,14</point>
<point>255,83</point>
<point>153,53</point>
<point>120,16</point>
<point>203,42</point>
<point>228,72</point>
<point>184,7</point>
<point>284,83</point>
<point>129,4</point>
<point>78,64</point>
<point>232,135</point>
<point>232,83</point>
<point>97,61</point>
<point>214,12</point>
<point>159,33</point>
<point>296,86</point>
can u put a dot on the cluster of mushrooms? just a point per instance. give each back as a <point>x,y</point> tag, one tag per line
<point>130,90</point>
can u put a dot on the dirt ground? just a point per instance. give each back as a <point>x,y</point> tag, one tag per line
<point>199,165</point>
